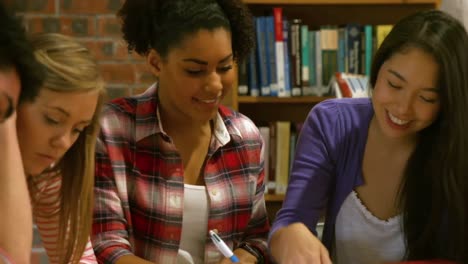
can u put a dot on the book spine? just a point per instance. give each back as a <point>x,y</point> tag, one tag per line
<point>296,57</point>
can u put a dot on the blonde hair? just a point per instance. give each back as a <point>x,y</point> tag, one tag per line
<point>70,67</point>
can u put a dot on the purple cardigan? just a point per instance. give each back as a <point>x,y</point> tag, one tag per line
<point>327,164</point>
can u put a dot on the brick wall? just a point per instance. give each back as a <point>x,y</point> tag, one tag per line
<point>92,22</point>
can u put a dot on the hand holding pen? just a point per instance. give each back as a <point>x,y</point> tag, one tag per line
<point>222,247</point>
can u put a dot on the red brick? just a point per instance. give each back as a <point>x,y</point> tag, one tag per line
<point>117,92</point>
<point>32,6</point>
<point>106,49</point>
<point>39,25</point>
<point>144,74</point>
<point>90,6</point>
<point>137,57</point>
<point>108,26</point>
<point>74,26</point>
<point>118,73</point>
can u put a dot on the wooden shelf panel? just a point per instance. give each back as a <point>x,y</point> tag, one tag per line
<point>328,14</point>
<point>280,100</point>
<point>274,197</point>
<point>343,2</point>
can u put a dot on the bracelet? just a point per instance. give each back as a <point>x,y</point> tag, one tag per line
<point>254,251</point>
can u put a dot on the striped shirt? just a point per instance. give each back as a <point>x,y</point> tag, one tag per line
<point>140,184</point>
<point>46,202</point>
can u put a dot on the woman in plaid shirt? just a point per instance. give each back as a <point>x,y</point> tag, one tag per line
<point>172,163</point>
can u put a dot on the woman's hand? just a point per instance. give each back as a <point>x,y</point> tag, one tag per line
<point>244,257</point>
<point>295,244</point>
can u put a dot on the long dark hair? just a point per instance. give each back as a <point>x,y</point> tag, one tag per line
<point>16,53</point>
<point>433,192</point>
<point>163,24</point>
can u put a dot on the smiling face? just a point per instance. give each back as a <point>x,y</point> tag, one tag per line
<point>195,76</point>
<point>406,96</point>
<point>50,125</point>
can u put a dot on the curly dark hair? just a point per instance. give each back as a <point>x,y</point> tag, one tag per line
<point>163,24</point>
<point>17,53</point>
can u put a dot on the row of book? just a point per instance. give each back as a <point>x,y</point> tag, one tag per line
<point>293,59</point>
<point>280,137</point>
<point>279,147</point>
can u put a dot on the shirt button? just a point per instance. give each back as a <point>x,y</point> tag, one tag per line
<point>214,192</point>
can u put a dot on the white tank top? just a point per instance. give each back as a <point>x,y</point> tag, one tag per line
<point>362,238</point>
<point>194,225</point>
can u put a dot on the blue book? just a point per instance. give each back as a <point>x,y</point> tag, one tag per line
<point>368,51</point>
<point>252,75</point>
<point>353,32</point>
<point>262,56</point>
<point>287,68</point>
<point>341,50</point>
<point>271,55</point>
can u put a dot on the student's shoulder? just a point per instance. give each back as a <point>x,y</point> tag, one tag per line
<point>237,123</point>
<point>344,104</point>
<point>121,105</point>
<point>345,109</point>
<point>131,105</point>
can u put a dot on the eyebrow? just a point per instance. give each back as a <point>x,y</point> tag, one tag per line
<point>65,112</point>
<point>205,62</point>
<point>399,76</point>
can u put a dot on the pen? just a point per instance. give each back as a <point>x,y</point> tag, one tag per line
<point>222,247</point>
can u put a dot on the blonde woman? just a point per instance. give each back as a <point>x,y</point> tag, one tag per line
<point>56,135</point>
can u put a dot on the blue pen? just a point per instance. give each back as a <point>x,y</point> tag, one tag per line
<point>222,247</point>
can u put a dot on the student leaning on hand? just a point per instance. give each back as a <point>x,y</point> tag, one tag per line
<point>20,79</point>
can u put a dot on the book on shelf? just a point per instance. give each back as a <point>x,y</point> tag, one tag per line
<point>279,90</point>
<point>262,58</point>
<point>283,134</point>
<point>349,85</point>
<point>280,139</point>
<point>265,133</point>
<point>296,59</point>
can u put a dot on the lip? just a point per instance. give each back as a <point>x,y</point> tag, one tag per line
<point>211,102</point>
<point>47,158</point>
<point>394,125</point>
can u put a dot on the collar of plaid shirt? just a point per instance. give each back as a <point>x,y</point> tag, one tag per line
<point>221,132</point>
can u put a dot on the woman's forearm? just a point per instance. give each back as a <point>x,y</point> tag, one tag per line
<point>15,206</point>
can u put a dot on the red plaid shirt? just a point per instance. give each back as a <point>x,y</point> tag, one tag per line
<point>140,184</point>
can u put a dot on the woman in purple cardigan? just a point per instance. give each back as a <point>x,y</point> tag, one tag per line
<point>390,171</point>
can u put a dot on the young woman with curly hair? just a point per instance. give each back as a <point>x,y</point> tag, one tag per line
<point>172,163</point>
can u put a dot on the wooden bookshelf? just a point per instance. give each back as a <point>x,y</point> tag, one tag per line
<point>278,100</point>
<point>316,13</point>
<point>274,197</point>
<point>342,2</point>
